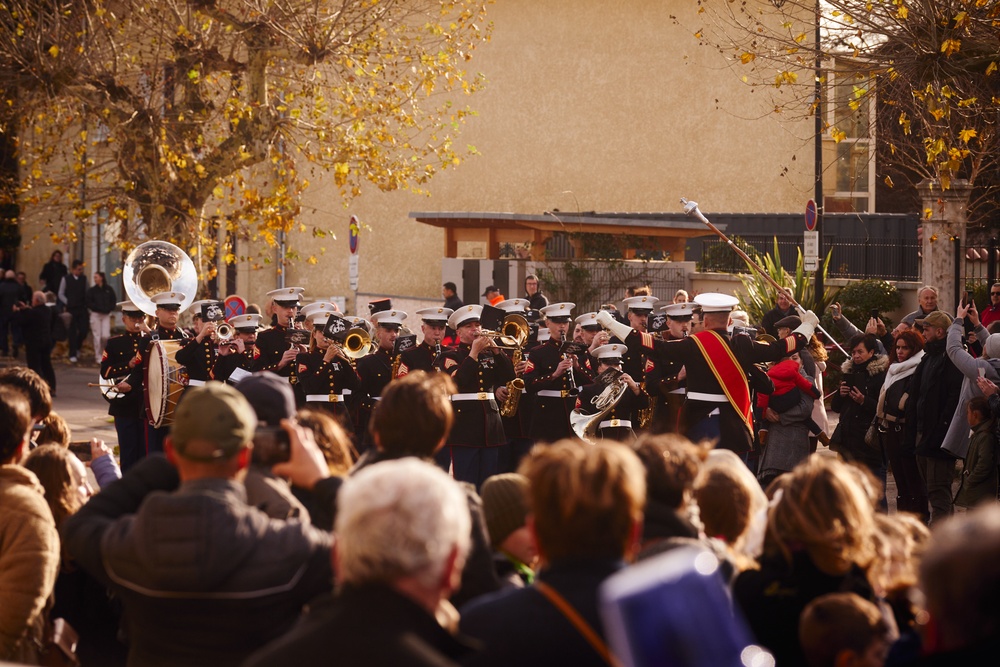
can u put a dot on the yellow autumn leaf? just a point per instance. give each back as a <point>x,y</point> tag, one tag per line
<point>54,51</point>
<point>837,135</point>
<point>965,135</point>
<point>747,57</point>
<point>991,68</point>
<point>902,12</point>
<point>888,181</point>
<point>950,46</point>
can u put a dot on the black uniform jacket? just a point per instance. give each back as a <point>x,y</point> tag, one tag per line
<point>550,414</point>
<point>477,422</point>
<point>114,366</point>
<point>702,380</point>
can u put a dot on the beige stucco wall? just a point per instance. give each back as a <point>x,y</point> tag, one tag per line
<point>589,106</point>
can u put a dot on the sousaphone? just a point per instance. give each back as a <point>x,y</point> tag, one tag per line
<point>157,266</point>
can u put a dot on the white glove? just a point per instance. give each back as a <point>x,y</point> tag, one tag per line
<point>809,324</point>
<point>605,319</point>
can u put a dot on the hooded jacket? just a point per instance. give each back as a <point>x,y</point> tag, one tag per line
<point>855,418</point>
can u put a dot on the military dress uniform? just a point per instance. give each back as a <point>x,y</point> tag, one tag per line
<point>328,385</point>
<point>129,409</point>
<point>422,357</point>
<point>271,345</point>
<point>713,409</point>
<point>554,397</point>
<point>169,300</point>
<point>233,367</point>
<point>199,360</point>
<point>375,372</point>
<point>474,449</point>
<point>617,424</point>
<point>664,389</point>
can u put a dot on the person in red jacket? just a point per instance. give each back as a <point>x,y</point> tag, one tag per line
<point>789,384</point>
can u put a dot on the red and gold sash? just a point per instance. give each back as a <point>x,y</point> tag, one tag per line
<point>727,371</point>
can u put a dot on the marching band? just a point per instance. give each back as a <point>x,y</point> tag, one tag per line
<point>523,379</point>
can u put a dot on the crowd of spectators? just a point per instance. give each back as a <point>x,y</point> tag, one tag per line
<point>211,556</point>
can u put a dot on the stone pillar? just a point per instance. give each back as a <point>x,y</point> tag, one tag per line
<point>944,218</point>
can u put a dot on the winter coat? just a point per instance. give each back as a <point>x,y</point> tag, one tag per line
<point>29,563</point>
<point>364,626</point>
<point>935,387</point>
<point>787,439</point>
<point>979,479</point>
<point>204,578</point>
<point>956,440</point>
<point>855,418</point>
<point>896,390</point>
<point>101,299</point>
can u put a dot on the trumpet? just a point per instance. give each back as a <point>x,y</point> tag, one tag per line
<point>513,333</point>
<point>357,343</point>
<point>224,331</point>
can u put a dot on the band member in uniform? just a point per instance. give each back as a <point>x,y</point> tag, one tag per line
<point>591,335</point>
<point>198,356</point>
<point>718,404</point>
<point>375,370</point>
<point>274,353</point>
<point>434,323</point>
<point>325,373</point>
<point>616,424</point>
<point>236,359</point>
<point>122,363</point>
<point>516,426</point>
<point>168,310</point>
<point>481,373</point>
<point>637,313</point>
<point>552,378</point>
<point>665,380</point>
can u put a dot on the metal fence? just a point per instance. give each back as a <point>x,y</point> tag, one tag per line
<point>886,258</point>
<point>592,283</point>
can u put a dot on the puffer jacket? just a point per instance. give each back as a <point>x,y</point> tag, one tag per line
<point>205,578</point>
<point>29,563</point>
<point>855,418</point>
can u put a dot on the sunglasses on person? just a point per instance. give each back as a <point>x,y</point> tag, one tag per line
<point>994,293</point>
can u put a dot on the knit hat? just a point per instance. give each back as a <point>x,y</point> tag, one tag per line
<point>270,396</point>
<point>992,346</point>
<point>505,505</point>
<point>212,423</point>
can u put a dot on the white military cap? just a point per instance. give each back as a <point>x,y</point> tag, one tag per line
<point>168,300</point>
<point>129,307</point>
<point>588,321</point>
<point>319,318</point>
<point>513,305</point>
<point>287,296</point>
<point>713,302</point>
<point>438,316</point>
<point>316,306</point>
<point>247,323</point>
<point>679,311</point>
<point>640,304</point>
<point>544,335</point>
<point>612,351</point>
<point>465,314</point>
<point>558,312</point>
<point>389,317</point>
<point>196,306</point>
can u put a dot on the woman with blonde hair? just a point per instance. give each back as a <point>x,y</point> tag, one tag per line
<point>819,540</point>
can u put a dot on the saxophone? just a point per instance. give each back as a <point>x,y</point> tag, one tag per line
<point>646,414</point>
<point>514,390</point>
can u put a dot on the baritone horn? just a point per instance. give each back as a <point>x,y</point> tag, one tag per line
<point>357,343</point>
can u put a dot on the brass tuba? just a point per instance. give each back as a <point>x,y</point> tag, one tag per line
<point>157,266</point>
<point>514,390</point>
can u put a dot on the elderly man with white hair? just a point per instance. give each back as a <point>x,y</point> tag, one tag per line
<point>402,535</point>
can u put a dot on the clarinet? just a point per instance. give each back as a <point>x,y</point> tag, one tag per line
<point>573,391</point>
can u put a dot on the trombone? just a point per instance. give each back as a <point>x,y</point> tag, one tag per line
<point>357,343</point>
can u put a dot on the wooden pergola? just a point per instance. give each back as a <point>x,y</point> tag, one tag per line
<point>668,231</point>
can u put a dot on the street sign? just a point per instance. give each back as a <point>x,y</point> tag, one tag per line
<point>810,215</point>
<point>235,306</point>
<point>810,250</point>
<point>355,230</point>
<point>352,272</point>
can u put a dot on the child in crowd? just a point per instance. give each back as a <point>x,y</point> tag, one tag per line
<point>789,384</point>
<point>505,507</point>
<point>979,479</point>
<point>842,630</point>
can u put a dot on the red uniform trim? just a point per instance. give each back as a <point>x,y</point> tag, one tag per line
<point>727,371</point>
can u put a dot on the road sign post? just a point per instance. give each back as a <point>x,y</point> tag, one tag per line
<point>352,265</point>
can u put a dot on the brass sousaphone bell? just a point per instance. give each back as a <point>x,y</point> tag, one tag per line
<point>155,267</point>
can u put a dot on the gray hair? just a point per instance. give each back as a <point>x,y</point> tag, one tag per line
<point>399,519</point>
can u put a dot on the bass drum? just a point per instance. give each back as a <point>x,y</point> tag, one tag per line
<point>165,381</point>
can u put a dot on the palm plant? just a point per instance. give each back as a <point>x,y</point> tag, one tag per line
<point>757,296</point>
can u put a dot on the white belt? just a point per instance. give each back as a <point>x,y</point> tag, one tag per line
<point>551,393</point>
<point>347,392</point>
<point>481,396</point>
<point>680,391</point>
<point>708,398</point>
<point>615,423</point>
<point>195,383</point>
<point>325,398</point>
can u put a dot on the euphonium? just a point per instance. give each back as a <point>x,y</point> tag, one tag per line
<point>514,390</point>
